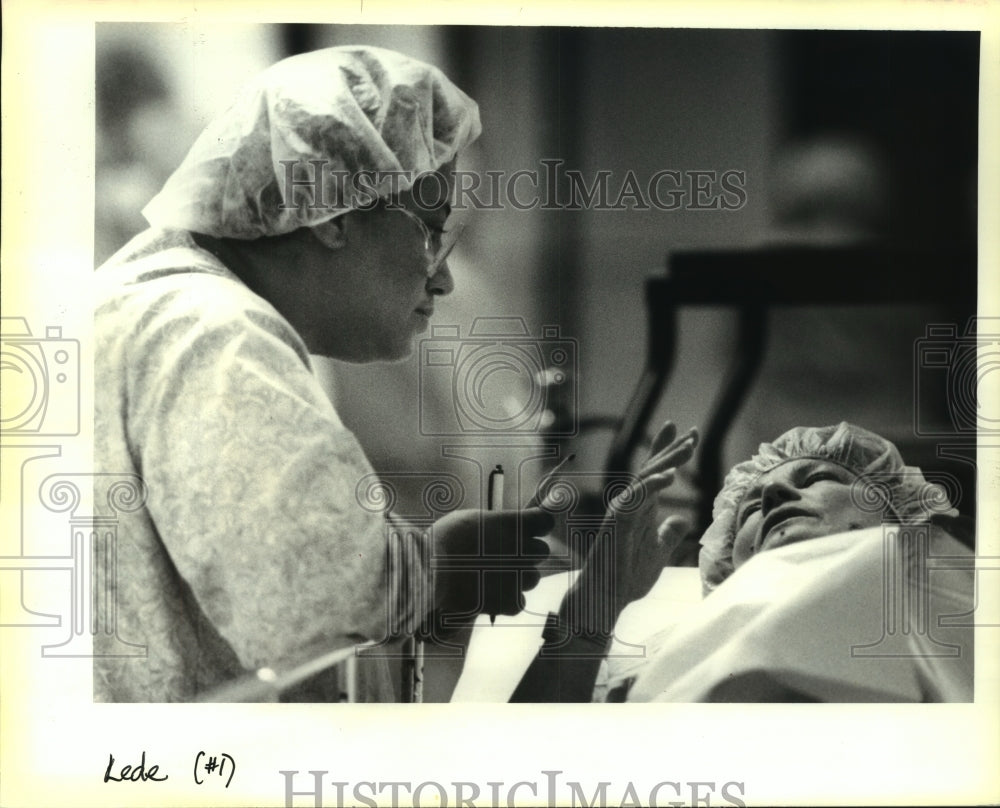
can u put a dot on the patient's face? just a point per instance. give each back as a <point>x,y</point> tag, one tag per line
<point>798,500</point>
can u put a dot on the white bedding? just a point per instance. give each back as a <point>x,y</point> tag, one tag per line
<point>834,619</point>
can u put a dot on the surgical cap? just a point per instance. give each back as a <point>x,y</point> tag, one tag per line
<point>884,479</point>
<point>355,112</point>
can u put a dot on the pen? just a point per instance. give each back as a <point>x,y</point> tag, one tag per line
<point>494,501</point>
<point>494,496</point>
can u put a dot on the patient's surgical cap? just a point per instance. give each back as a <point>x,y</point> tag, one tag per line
<point>883,478</point>
<point>310,131</point>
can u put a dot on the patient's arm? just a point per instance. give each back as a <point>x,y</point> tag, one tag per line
<point>566,666</point>
<point>626,559</point>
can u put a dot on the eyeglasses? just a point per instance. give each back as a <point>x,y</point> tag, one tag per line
<point>448,239</point>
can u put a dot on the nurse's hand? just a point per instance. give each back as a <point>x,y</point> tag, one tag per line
<point>483,562</point>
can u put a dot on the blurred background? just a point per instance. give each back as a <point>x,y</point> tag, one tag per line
<point>841,139</point>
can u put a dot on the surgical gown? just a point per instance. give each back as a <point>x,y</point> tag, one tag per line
<point>250,544</point>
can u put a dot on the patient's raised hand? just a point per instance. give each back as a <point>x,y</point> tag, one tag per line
<point>631,548</point>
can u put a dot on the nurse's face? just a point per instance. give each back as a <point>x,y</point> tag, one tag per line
<point>798,500</point>
<point>374,290</point>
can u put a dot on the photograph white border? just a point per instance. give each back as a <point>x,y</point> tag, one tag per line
<point>55,742</point>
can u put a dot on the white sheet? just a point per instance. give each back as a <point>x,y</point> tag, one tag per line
<point>855,617</point>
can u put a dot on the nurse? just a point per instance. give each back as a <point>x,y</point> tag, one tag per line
<point>309,218</point>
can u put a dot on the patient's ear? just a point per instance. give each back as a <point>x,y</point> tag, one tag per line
<point>331,234</point>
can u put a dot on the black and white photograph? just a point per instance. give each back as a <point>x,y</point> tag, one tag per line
<point>392,402</point>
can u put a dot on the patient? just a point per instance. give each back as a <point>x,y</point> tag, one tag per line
<point>830,549</point>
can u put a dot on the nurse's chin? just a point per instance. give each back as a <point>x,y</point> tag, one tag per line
<point>398,350</point>
<point>402,354</point>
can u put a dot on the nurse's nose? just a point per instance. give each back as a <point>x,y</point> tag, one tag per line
<point>441,282</point>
